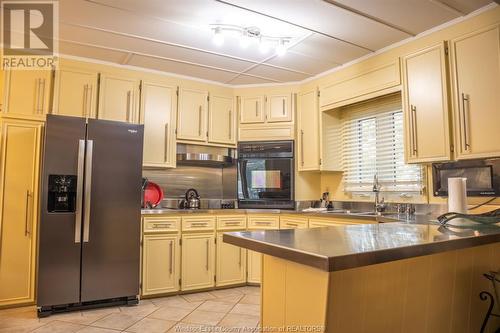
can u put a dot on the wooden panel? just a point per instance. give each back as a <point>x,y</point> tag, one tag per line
<point>158,114</point>
<point>279,108</point>
<point>75,92</point>
<point>231,263</point>
<point>19,173</point>
<point>254,267</point>
<point>198,261</point>
<point>161,224</point>
<point>369,82</point>
<point>192,115</point>
<point>251,109</point>
<point>198,223</point>
<point>427,130</point>
<point>268,132</point>
<point>221,120</point>
<point>119,98</point>
<point>27,93</point>
<point>308,131</point>
<point>273,291</point>
<point>475,101</point>
<point>161,264</point>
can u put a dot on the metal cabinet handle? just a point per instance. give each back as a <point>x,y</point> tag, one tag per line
<point>165,157</point>
<point>256,108</point>
<point>262,223</point>
<point>88,190</point>
<point>27,221</point>
<point>302,147</point>
<point>161,225</point>
<point>208,250</point>
<point>171,247</point>
<point>39,99</point>
<point>128,105</point>
<point>199,120</point>
<point>233,223</point>
<point>292,224</point>
<point>199,224</point>
<point>230,124</point>
<point>465,100</point>
<point>89,100</point>
<point>85,109</point>
<point>283,100</point>
<point>239,261</point>
<point>414,122</point>
<point>79,191</point>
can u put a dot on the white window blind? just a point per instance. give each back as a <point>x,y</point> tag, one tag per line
<point>372,143</point>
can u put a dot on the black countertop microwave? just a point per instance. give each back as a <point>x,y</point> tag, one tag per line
<point>483,177</point>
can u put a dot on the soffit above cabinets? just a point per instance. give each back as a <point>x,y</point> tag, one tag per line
<point>175,36</point>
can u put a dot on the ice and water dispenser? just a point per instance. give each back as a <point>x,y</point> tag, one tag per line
<point>61,194</point>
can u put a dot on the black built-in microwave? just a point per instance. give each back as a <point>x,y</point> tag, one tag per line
<point>483,177</point>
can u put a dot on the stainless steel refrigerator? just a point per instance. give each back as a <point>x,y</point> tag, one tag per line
<point>89,241</point>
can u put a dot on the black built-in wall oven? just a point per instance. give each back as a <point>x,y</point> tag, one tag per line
<point>266,175</point>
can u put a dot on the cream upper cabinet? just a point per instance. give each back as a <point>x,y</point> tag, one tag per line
<point>308,131</point>
<point>158,114</point>
<point>279,108</point>
<point>119,98</point>
<point>27,93</point>
<point>475,68</point>
<point>221,120</point>
<point>251,109</point>
<point>75,92</point>
<point>198,261</point>
<point>161,264</point>
<point>192,115</point>
<point>231,263</point>
<point>427,129</point>
<point>20,151</point>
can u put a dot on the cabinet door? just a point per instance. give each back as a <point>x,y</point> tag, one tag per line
<point>119,98</point>
<point>192,115</point>
<point>231,263</point>
<point>27,93</point>
<point>308,137</point>
<point>158,112</point>
<point>75,92</point>
<point>476,79</point>
<point>160,264</point>
<point>254,266</point>
<point>427,130</point>
<point>18,210</point>
<point>221,120</point>
<point>279,108</point>
<point>251,109</point>
<point>198,261</point>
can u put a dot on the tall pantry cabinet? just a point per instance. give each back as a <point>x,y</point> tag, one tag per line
<point>19,179</point>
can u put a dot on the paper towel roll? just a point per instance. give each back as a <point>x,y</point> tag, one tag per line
<point>457,195</point>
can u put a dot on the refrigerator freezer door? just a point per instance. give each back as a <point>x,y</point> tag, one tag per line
<point>59,250</point>
<point>110,254</point>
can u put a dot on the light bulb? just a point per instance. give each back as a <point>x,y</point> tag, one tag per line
<point>263,46</point>
<point>280,48</point>
<point>218,38</point>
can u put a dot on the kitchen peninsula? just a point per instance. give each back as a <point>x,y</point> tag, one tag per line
<point>386,277</point>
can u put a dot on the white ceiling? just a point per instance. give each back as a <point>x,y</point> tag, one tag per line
<point>175,36</point>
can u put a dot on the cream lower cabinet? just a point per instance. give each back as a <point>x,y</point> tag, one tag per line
<point>27,93</point>
<point>254,259</point>
<point>308,131</point>
<point>75,92</point>
<point>198,261</point>
<point>427,129</point>
<point>119,98</point>
<point>192,115</point>
<point>475,68</point>
<point>19,179</point>
<point>231,260</point>
<point>158,114</point>
<point>221,120</point>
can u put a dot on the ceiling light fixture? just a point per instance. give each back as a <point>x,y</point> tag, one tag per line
<point>218,38</point>
<point>249,35</point>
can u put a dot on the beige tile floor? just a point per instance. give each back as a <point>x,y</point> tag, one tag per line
<point>226,310</point>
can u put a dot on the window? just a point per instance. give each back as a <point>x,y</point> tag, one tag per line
<point>373,143</point>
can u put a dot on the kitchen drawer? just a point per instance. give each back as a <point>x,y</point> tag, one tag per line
<point>231,222</point>
<point>293,222</point>
<point>161,224</point>
<point>264,222</point>
<point>198,223</point>
<point>318,223</point>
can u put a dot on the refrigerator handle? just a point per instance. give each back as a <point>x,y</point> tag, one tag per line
<point>88,190</point>
<point>79,191</point>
